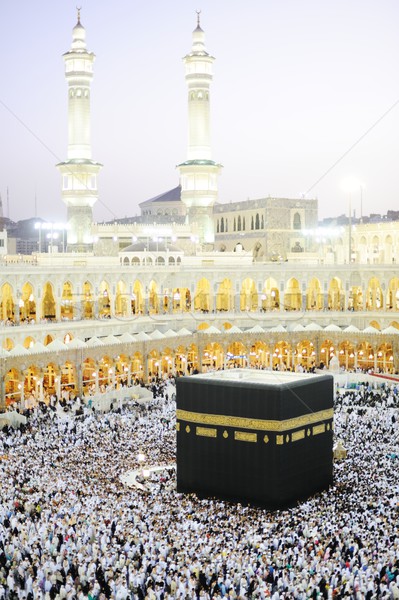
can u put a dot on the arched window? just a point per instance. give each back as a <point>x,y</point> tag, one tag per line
<point>297,221</point>
<point>217,226</point>
<point>234,225</point>
<point>262,225</point>
<point>227,225</point>
<point>239,223</point>
<point>252,222</point>
<point>243,223</point>
<point>257,221</point>
<point>222,225</point>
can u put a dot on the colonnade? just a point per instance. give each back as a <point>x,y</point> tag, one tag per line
<point>51,301</point>
<point>91,371</point>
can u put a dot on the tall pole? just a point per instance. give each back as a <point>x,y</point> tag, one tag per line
<point>350,231</point>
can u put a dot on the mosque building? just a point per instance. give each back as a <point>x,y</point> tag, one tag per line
<point>193,283</point>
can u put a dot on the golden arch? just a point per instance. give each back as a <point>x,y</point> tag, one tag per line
<point>292,295</point>
<point>225,296</point>
<point>48,302</point>
<point>327,351</point>
<point>137,298</point>
<point>336,296</point>
<point>374,295</point>
<point>67,302</point>
<point>192,359</point>
<point>305,355</point>
<point>153,298</point>
<point>314,295</point>
<point>248,295</point>
<point>236,355</point>
<point>7,303</point>
<point>212,357</point>
<point>122,305</point>
<point>365,356</point>
<point>392,296</point>
<point>270,297</point>
<point>202,296</point>
<point>282,356</point>
<point>87,301</point>
<point>346,355</point>
<point>259,355</point>
<point>104,301</point>
<point>27,304</point>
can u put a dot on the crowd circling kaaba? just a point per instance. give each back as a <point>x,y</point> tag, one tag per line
<point>69,528</point>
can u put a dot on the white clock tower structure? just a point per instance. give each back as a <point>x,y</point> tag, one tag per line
<point>199,173</point>
<point>79,172</point>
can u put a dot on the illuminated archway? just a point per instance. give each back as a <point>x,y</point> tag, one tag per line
<point>270,297</point>
<point>212,357</point>
<point>346,355</point>
<point>314,295</point>
<point>67,302</point>
<point>305,356</point>
<point>121,300</point>
<point>89,376</point>
<point>248,295</point>
<point>153,298</point>
<point>202,296</point>
<point>154,364</point>
<point>384,362</point>
<point>27,304</point>
<point>392,296</point>
<point>87,301</point>
<point>225,296</point>
<point>28,342</point>
<point>137,298</point>
<point>192,358</point>
<point>365,356</point>
<point>259,355</point>
<point>327,351</point>
<point>7,303</point>
<point>13,383</point>
<point>236,355</point>
<point>355,298</point>
<point>282,356</point>
<point>104,301</point>
<point>374,295</point>
<point>292,295</point>
<point>336,296</point>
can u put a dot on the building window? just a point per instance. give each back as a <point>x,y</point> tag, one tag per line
<point>252,222</point>
<point>234,225</point>
<point>257,225</point>
<point>239,223</point>
<point>297,221</point>
<point>217,226</point>
<point>243,223</point>
<point>222,225</point>
<point>262,225</point>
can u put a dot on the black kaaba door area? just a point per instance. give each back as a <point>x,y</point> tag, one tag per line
<point>260,437</point>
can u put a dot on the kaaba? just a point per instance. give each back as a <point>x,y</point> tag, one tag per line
<point>251,436</point>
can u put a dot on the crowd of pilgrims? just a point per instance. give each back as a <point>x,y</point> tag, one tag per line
<point>69,528</point>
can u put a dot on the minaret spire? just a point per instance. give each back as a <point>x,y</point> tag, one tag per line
<point>78,8</point>
<point>79,172</point>
<point>198,174</point>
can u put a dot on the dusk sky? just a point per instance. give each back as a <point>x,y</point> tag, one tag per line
<point>296,84</point>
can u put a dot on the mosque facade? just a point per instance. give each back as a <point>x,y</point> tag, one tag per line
<point>193,284</point>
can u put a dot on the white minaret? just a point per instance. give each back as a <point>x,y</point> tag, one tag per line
<point>199,173</point>
<point>79,172</point>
